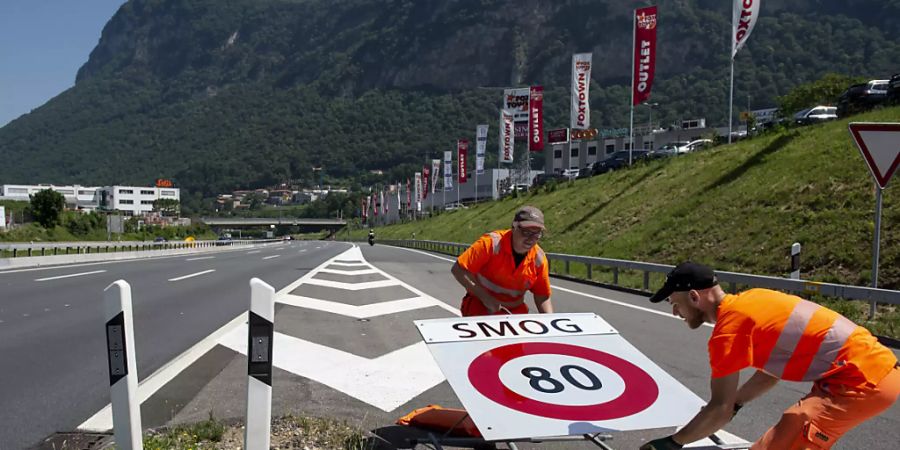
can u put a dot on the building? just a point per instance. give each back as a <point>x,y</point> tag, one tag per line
<point>130,200</point>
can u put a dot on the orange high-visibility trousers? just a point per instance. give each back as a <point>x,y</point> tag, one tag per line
<point>818,420</point>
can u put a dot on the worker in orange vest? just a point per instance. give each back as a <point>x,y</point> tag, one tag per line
<point>784,338</point>
<point>502,265</point>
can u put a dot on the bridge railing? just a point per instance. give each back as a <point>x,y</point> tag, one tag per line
<point>588,267</point>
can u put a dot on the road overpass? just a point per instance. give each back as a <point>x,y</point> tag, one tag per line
<point>303,225</point>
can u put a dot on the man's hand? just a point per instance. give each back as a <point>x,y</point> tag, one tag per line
<point>666,443</point>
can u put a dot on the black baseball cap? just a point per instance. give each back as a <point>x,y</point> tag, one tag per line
<point>685,277</point>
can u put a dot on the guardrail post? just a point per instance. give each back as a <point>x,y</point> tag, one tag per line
<point>261,327</point>
<point>567,267</point>
<point>55,250</point>
<point>590,271</point>
<point>795,261</point>
<point>732,287</point>
<point>616,276</point>
<point>122,367</point>
<point>42,250</point>
<point>646,280</point>
<point>15,252</point>
<point>29,251</point>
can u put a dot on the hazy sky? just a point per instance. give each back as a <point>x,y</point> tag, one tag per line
<point>42,45</point>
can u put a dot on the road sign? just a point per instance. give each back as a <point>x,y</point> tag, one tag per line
<point>543,375</point>
<point>879,144</point>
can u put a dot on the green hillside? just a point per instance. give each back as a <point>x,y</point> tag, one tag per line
<point>736,207</point>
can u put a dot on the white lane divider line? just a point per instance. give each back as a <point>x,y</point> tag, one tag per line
<point>349,272</point>
<point>201,258</point>
<point>192,275</point>
<point>254,251</point>
<point>70,275</point>
<point>270,257</point>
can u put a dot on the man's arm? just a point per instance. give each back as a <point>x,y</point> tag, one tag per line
<point>474,287</point>
<point>543,304</point>
<point>717,412</point>
<point>757,385</point>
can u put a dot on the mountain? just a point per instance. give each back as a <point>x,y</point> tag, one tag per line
<point>220,95</point>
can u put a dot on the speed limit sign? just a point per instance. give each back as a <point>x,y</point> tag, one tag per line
<point>542,375</point>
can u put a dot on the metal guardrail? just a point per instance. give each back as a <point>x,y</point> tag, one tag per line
<point>732,279</point>
<point>17,250</point>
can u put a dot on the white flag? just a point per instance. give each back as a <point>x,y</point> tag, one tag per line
<point>435,170</point>
<point>744,15</point>
<point>481,132</point>
<point>507,140</point>
<point>448,170</point>
<point>581,83</point>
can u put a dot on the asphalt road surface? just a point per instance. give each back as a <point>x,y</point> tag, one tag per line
<point>345,345</point>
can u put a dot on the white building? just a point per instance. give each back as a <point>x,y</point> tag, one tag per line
<point>134,200</point>
<point>130,200</point>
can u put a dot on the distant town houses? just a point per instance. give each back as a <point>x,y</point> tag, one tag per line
<point>281,196</point>
<point>128,200</point>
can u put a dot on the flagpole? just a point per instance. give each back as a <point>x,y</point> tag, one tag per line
<point>731,99</point>
<point>631,121</point>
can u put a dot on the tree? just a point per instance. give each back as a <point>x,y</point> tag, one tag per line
<point>167,207</point>
<point>47,207</point>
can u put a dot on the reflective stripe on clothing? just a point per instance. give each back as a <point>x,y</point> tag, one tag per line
<point>490,259</point>
<point>794,339</point>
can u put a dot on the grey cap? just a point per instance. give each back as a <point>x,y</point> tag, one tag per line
<point>529,216</point>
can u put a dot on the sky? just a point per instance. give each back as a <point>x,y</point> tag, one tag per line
<point>43,43</point>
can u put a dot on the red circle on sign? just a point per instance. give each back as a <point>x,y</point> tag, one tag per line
<point>640,391</point>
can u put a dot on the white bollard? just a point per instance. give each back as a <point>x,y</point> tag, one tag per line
<point>795,261</point>
<point>126,410</point>
<point>260,330</point>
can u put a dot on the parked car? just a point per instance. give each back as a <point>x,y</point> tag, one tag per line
<point>698,144</point>
<point>571,174</point>
<point>862,97</point>
<point>454,206</point>
<point>676,147</point>
<point>160,239</point>
<point>543,178</point>
<point>893,91</point>
<point>618,160</point>
<point>815,115</point>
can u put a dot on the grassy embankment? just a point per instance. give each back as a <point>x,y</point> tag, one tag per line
<point>735,207</point>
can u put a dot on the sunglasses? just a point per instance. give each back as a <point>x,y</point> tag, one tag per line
<point>531,234</point>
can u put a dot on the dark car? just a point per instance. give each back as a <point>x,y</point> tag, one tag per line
<point>893,91</point>
<point>618,160</point>
<point>862,97</point>
<point>543,178</point>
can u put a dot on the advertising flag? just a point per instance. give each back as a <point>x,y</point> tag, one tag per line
<point>364,208</point>
<point>399,207</point>
<point>375,204</point>
<point>408,196</point>
<point>744,15</point>
<point>448,170</point>
<point>435,171</point>
<point>516,100</point>
<point>381,201</point>
<point>644,54</point>
<point>581,82</point>
<point>481,132</point>
<point>462,147</point>
<point>506,136</point>
<point>418,194</point>
<point>536,119</point>
<point>426,172</point>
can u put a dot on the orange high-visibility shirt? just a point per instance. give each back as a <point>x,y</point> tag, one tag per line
<point>491,260</point>
<point>794,339</point>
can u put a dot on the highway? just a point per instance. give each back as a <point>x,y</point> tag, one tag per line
<point>345,345</point>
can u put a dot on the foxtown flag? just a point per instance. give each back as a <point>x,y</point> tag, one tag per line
<point>435,170</point>
<point>506,136</point>
<point>644,54</point>
<point>481,132</point>
<point>448,170</point>
<point>536,119</point>
<point>581,82</point>
<point>408,196</point>
<point>462,147</point>
<point>744,15</point>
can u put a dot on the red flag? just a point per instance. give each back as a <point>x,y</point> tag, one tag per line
<point>408,196</point>
<point>536,119</point>
<point>644,54</point>
<point>425,172</point>
<point>462,146</point>
<point>375,202</point>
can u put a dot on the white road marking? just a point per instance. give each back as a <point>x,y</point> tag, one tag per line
<point>254,251</point>
<point>192,275</point>
<point>377,381</point>
<point>270,257</point>
<point>69,275</point>
<point>359,312</point>
<point>349,272</point>
<point>352,286</point>
<point>201,258</point>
